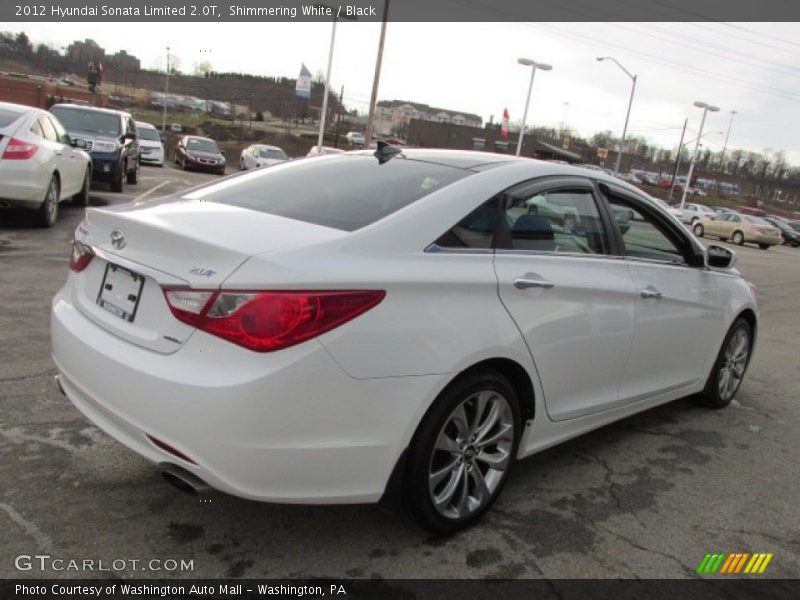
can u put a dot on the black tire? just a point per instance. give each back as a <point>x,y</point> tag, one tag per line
<point>460,461</point>
<point>48,211</point>
<point>693,221</point>
<point>132,177</point>
<point>711,396</point>
<point>738,238</point>
<point>764,246</point>
<point>698,230</point>
<point>183,165</point>
<point>118,183</point>
<point>81,199</point>
<point>241,165</point>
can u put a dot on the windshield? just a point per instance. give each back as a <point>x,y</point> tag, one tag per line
<point>88,120</point>
<point>148,133</point>
<point>202,145</point>
<point>345,192</point>
<point>272,153</point>
<point>8,116</point>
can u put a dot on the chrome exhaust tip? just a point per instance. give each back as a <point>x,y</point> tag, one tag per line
<point>60,387</point>
<point>185,481</point>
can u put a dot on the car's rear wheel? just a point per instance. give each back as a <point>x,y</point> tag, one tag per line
<point>698,230</point>
<point>738,238</point>
<point>459,458</point>
<point>729,368</point>
<point>82,198</point>
<point>48,211</point>
<point>118,182</point>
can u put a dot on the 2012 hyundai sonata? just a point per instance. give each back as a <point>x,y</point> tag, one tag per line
<point>330,329</point>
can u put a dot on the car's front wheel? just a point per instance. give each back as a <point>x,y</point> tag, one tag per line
<point>48,211</point>
<point>728,371</point>
<point>460,456</point>
<point>133,176</point>
<point>698,230</point>
<point>118,181</point>
<point>82,198</point>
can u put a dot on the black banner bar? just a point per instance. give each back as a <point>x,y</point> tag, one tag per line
<point>400,10</point>
<point>717,588</point>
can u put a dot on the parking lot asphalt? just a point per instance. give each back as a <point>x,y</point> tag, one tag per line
<point>646,497</point>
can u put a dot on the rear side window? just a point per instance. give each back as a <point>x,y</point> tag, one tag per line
<point>344,192</point>
<point>8,116</point>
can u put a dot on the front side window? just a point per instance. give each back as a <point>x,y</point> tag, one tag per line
<point>557,221</point>
<point>645,236</point>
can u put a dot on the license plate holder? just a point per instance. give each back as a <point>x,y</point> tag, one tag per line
<point>120,292</point>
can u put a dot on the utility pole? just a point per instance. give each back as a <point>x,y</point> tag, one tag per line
<point>376,79</point>
<point>339,120</point>
<point>164,99</point>
<point>678,158</point>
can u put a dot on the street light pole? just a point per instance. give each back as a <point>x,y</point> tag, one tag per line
<point>678,158</point>
<point>630,103</point>
<point>327,86</point>
<point>534,65</point>
<point>706,108</point>
<point>164,99</point>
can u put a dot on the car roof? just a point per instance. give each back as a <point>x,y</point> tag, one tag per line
<point>21,108</point>
<point>268,146</point>
<point>107,111</point>
<point>198,137</point>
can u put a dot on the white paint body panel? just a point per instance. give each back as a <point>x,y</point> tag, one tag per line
<point>326,420</point>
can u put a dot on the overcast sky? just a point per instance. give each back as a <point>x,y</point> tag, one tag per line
<point>752,68</point>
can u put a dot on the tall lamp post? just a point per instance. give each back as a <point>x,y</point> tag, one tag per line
<point>630,103</point>
<point>376,79</point>
<point>534,65</point>
<point>706,109</point>
<point>164,99</point>
<point>324,111</point>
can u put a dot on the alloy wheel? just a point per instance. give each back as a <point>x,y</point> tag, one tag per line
<point>471,455</point>
<point>734,362</point>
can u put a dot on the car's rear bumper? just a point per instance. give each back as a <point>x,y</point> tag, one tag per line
<point>22,184</point>
<point>289,426</point>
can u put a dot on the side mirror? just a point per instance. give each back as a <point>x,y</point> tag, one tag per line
<point>81,144</point>
<point>719,257</point>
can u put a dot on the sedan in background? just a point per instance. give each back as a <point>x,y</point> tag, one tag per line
<point>151,150</point>
<point>692,212</point>
<point>740,229</point>
<point>39,167</point>
<point>387,322</point>
<point>673,210</point>
<point>790,236</point>
<point>261,155</point>
<point>199,153</point>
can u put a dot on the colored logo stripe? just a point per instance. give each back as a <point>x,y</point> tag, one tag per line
<point>723,563</point>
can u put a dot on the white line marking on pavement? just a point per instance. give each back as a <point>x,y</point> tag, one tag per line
<point>150,191</point>
<point>42,540</point>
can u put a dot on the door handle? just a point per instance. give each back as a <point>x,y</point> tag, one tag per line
<point>651,292</point>
<point>523,283</point>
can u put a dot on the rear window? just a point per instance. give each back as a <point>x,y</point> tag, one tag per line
<point>344,192</point>
<point>8,116</point>
<point>88,120</point>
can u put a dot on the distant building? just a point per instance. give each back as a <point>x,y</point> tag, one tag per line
<point>393,117</point>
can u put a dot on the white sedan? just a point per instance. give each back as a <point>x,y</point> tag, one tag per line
<point>39,167</point>
<point>261,155</point>
<point>409,319</point>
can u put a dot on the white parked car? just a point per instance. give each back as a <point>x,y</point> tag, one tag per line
<point>414,320</point>
<point>691,212</point>
<point>261,155</point>
<point>355,139</point>
<point>39,167</point>
<point>151,149</point>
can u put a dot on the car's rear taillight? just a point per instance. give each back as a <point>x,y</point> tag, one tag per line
<point>81,256</point>
<point>269,321</point>
<point>19,150</point>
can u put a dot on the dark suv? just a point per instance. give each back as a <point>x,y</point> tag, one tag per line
<point>109,136</point>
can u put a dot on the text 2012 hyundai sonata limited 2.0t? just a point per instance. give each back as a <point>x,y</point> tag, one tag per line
<point>331,330</point>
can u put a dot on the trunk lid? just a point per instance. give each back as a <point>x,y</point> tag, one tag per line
<point>142,248</point>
